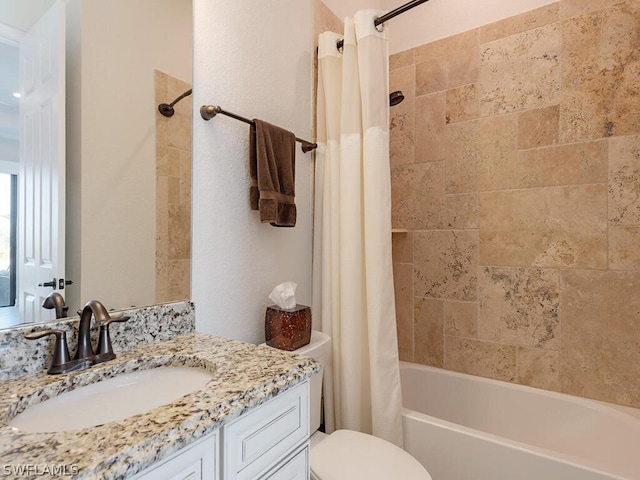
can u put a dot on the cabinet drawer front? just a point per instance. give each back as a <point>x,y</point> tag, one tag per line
<point>194,462</point>
<point>295,468</point>
<point>258,439</point>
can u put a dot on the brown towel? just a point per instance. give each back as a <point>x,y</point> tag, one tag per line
<point>272,165</point>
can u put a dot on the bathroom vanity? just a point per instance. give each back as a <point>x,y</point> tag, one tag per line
<point>269,442</point>
<point>250,421</point>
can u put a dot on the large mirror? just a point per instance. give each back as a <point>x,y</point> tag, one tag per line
<point>127,174</point>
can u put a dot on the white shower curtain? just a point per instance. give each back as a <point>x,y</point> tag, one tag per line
<point>353,277</point>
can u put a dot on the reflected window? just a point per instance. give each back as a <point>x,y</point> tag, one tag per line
<point>8,223</point>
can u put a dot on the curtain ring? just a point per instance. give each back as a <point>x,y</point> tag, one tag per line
<point>379,28</point>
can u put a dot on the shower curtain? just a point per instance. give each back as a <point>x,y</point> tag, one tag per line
<point>353,278</point>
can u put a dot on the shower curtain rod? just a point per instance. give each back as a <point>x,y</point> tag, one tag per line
<point>207,112</point>
<point>389,15</point>
<point>397,11</point>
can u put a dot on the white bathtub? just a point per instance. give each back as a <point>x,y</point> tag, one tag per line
<point>462,427</point>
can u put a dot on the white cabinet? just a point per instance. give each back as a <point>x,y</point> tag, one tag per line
<point>295,467</point>
<point>270,442</point>
<point>195,462</point>
<point>264,438</point>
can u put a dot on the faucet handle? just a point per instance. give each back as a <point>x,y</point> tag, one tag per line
<point>110,319</point>
<point>105,348</point>
<point>60,353</point>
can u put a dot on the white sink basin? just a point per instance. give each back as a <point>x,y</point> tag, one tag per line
<point>113,399</point>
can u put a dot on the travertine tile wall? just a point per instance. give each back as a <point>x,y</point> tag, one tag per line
<point>173,192</point>
<point>324,20</point>
<point>516,173</point>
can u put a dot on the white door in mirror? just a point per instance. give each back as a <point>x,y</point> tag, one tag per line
<point>41,207</point>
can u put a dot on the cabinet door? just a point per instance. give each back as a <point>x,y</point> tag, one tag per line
<point>296,467</point>
<point>260,439</point>
<point>195,462</point>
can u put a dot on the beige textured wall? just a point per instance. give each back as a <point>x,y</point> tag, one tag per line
<point>324,20</point>
<point>516,173</point>
<point>173,192</point>
<point>254,59</point>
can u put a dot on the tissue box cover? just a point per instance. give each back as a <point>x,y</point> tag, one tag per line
<point>288,329</point>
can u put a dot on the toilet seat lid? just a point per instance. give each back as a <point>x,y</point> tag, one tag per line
<point>346,454</point>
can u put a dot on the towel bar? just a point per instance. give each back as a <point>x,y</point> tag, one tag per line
<point>207,112</point>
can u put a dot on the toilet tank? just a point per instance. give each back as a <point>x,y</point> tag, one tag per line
<point>319,348</point>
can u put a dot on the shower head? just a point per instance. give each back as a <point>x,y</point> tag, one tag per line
<point>167,110</point>
<point>395,98</point>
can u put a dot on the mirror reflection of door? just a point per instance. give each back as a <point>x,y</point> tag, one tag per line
<point>42,164</point>
<point>32,145</point>
<point>9,167</point>
<point>8,220</point>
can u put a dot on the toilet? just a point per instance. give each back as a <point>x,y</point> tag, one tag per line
<point>345,454</point>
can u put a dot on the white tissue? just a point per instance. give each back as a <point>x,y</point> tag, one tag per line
<point>284,295</point>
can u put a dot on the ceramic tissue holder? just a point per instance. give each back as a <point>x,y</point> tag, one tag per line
<point>288,328</point>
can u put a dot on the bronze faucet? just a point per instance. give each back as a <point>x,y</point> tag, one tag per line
<point>85,356</point>
<point>103,319</point>
<point>56,301</point>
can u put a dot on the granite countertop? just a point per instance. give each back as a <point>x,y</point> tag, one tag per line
<point>245,375</point>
